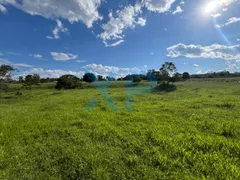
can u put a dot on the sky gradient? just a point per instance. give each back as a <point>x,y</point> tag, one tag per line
<point>116,38</point>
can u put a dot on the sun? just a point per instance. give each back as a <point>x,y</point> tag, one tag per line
<point>210,7</point>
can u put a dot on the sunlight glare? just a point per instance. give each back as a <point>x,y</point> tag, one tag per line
<point>211,6</point>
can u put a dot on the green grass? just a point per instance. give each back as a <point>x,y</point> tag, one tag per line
<point>190,133</point>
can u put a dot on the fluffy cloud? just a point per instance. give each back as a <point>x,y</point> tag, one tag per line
<point>56,73</point>
<point>178,10</point>
<point>59,28</point>
<point>63,56</point>
<point>126,18</point>
<point>198,51</point>
<point>229,21</point>
<point>85,11</point>
<point>141,21</point>
<point>112,70</point>
<point>159,6</point>
<point>3,9</point>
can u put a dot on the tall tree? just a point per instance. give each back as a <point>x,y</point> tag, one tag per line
<point>166,72</point>
<point>5,75</point>
<point>31,80</point>
<point>36,79</point>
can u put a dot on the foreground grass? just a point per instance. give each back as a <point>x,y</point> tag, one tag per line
<point>191,133</point>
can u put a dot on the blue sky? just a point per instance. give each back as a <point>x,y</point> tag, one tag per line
<point>108,37</point>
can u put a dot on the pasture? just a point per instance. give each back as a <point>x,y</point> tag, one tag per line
<point>190,133</point>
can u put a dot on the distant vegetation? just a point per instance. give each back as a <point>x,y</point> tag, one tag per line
<point>165,75</point>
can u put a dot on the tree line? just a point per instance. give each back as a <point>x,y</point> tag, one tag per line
<point>165,75</point>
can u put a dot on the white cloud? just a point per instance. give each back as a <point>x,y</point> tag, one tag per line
<point>3,9</point>
<point>196,65</point>
<point>224,9</point>
<point>125,18</point>
<point>197,51</point>
<point>145,66</point>
<point>232,66</point>
<point>214,5</point>
<point>80,61</point>
<point>141,21</point>
<point>63,56</point>
<point>159,6</point>
<point>56,73</point>
<point>37,56</point>
<point>6,61</point>
<point>182,2</point>
<point>238,39</point>
<point>216,15</point>
<point>178,10</point>
<point>22,65</point>
<point>113,44</point>
<point>128,17</point>
<point>59,28</point>
<point>85,11</point>
<point>229,21</point>
<point>112,71</point>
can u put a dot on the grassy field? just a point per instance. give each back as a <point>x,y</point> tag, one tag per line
<point>190,133</point>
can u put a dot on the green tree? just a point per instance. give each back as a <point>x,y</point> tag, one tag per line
<point>89,77</point>
<point>5,76</point>
<point>152,75</point>
<point>166,72</point>
<point>68,82</point>
<point>136,79</point>
<point>175,78</point>
<point>100,78</point>
<point>36,79</point>
<point>21,79</point>
<point>31,80</point>
<point>185,76</point>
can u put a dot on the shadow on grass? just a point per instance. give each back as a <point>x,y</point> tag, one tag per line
<point>166,88</point>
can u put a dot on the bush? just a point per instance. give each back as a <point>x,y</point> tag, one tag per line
<point>166,87</point>
<point>68,82</point>
<point>89,77</point>
<point>136,79</point>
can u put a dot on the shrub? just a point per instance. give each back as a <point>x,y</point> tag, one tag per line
<point>68,82</point>
<point>136,79</point>
<point>89,77</point>
<point>185,76</point>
